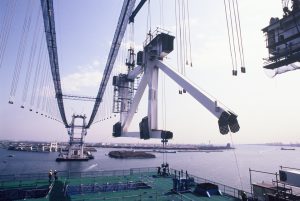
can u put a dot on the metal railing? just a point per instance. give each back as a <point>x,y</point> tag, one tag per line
<point>156,196</point>
<point>228,190</point>
<point>38,178</point>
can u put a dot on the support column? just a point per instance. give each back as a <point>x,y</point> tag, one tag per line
<point>152,72</point>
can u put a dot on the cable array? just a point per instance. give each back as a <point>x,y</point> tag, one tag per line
<point>31,70</point>
<point>6,27</point>
<point>183,38</point>
<point>234,33</point>
<point>21,51</point>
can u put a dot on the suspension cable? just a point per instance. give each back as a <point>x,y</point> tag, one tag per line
<point>21,51</point>
<point>40,86</point>
<point>41,60</point>
<point>5,30</point>
<point>31,59</point>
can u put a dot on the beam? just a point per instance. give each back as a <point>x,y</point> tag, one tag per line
<point>193,90</point>
<point>81,98</point>
<point>153,134</point>
<point>136,100</point>
<point>135,72</point>
<point>136,10</point>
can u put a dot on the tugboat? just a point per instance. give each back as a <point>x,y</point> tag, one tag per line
<point>65,157</point>
<point>283,148</point>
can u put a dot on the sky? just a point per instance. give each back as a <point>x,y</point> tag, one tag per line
<point>267,108</point>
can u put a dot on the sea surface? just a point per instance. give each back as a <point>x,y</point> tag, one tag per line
<point>230,167</point>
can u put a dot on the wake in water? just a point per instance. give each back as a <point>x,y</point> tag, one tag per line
<point>90,167</point>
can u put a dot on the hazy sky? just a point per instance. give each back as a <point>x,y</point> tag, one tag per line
<point>267,108</point>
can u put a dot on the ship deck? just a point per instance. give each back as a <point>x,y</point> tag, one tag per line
<point>133,184</point>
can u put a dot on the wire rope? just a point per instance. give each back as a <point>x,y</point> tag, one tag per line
<point>180,38</point>
<point>177,43</point>
<point>189,31</point>
<point>240,33</point>
<point>185,60</point>
<point>149,23</point>
<point>236,162</point>
<point>237,31</point>
<point>229,36</point>
<point>233,36</point>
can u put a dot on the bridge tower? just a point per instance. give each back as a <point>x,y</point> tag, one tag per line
<point>53,147</point>
<point>77,133</point>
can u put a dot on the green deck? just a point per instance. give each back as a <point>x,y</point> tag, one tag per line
<point>160,186</point>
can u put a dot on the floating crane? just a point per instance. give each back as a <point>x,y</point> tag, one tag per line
<point>283,40</point>
<point>149,61</point>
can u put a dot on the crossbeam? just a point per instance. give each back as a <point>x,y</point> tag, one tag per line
<point>81,98</point>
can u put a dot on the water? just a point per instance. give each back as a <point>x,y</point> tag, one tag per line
<point>217,166</point>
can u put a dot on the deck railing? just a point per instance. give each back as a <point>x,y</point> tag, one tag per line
<point>36,179</point>
<point>223,188</point>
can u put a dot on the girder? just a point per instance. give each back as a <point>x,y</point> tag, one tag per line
<point>49,25</point>
<point>118,36</point>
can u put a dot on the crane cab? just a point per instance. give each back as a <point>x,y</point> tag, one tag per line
<point>283,38</point>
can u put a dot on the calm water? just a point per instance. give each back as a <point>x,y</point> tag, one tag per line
<point>217,166</point>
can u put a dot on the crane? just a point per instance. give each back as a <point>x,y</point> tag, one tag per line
<point>149,61</point>
<point>283,40</point>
